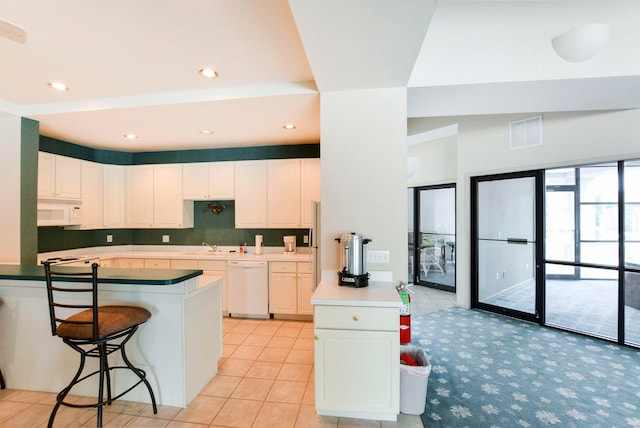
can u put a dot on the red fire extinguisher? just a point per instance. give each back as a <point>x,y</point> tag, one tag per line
<point>405,314</point>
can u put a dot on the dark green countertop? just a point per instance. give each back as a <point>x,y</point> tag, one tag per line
<point>105,275</point>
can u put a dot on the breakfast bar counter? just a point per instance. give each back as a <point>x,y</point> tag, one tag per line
<point>178,347</point>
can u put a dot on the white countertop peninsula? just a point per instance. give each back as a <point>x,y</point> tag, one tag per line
<point>178,347</point>
<point>357,350</point>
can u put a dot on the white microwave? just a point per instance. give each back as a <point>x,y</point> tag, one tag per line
<point>59,214</point>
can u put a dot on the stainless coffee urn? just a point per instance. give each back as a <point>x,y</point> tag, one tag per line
<point>353,258</point>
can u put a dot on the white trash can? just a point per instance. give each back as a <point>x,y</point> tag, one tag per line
<point>413,381</point>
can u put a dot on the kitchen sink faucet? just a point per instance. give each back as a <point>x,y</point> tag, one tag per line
<point>213,247</point>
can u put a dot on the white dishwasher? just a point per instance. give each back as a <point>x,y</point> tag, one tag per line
<point>248,288</point>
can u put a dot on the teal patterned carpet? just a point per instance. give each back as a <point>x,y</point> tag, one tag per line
<point>493,371</point>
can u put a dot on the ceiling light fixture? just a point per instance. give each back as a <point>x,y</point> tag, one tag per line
<point>582,43</point>
<point>58,86</point>
<point>206,131</point>
<point>209,73</point>
<point>130,136</point>
<point>289,126</point>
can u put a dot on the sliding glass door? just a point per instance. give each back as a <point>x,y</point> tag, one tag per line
<point>432,241</point>
<point>585,299</point>
<point>505,247</point>
<point>561,247</point>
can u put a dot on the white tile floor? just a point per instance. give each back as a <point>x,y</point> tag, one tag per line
<point>265,380</point>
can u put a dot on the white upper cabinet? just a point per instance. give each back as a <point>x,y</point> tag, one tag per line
<point>113,196</point>
<point>309,188</point>
<point>154,197</point>
<point>276,193</point>
<point>283,206</point>
<point>169,209</point>
<point>139,196</point>
<point>91,195</point>
<point>251,194</point>
<point>208,180</point>
<point>59,177</point>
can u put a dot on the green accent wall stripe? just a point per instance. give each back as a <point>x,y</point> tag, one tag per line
<point>59,147</point>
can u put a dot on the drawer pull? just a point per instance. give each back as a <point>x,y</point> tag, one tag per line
<point>356,318</point>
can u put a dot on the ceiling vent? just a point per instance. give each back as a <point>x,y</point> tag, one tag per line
<point>525,133</point>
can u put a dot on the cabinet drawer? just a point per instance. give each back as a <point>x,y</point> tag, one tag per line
<point>212,264</point>
<point>184,264</point>
<point>356,318</point>
<point>157,264</point>
<point>283,267</point>
<point>304,267</point>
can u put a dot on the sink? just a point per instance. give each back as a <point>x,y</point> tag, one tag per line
<point>210,253</point>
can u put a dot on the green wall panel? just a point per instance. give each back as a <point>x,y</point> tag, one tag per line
<point>29,136</point>
<point>208,227</point>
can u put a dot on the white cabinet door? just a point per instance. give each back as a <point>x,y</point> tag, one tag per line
<point>356,373</point>
<point>59,176</point>
<point>46,175</point>
<point>283,193</point>
<point>310,188</point>
<point>139,196</point>
<point>195,181</point>
<point>305,288</point>
<point>222,180</point>
<point>91,195</point>
<point>251,194</point>
<point>68,177</point>
<point>113,186</point>
<point>169,209</point>
<point>282,293</point>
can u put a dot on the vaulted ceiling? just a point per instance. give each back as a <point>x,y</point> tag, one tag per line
<point>132,66</point>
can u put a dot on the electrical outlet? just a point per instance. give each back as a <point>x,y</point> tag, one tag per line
<point>378,257</point>
<point>305,239</point>
<point>109,238</point>
<point>165,238</point>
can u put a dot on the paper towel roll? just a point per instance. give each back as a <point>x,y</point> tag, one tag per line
<point>258,244</point>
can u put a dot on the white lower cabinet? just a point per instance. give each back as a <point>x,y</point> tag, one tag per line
<point>290,288</point>
<point>305,288</point>
<point>356,361</point>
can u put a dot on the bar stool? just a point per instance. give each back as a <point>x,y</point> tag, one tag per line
<point>93,331</point>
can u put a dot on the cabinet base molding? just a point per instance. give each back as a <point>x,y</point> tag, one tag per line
<point>377,416</point>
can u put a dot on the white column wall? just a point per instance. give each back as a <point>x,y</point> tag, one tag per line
<point>10,130</point>
<point>364,174</point>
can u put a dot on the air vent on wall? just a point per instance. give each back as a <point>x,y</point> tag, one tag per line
<point>525,133</point>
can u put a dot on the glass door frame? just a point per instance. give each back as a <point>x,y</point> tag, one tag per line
<point>417,236</point>
<point>538,315</point>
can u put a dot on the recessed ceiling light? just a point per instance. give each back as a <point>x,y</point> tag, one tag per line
<point>206,131</point>
<point>209,73</point>
<point>130,136</point>
<point>289,126</point>
<point>58,86</point>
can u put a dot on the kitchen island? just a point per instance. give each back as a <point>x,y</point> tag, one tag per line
<point>357,350</point>
<point>178,347</point>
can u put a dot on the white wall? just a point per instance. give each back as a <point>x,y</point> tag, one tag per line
<point>10,130</point>
<point>571,138</point>
<point>364,175</point>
